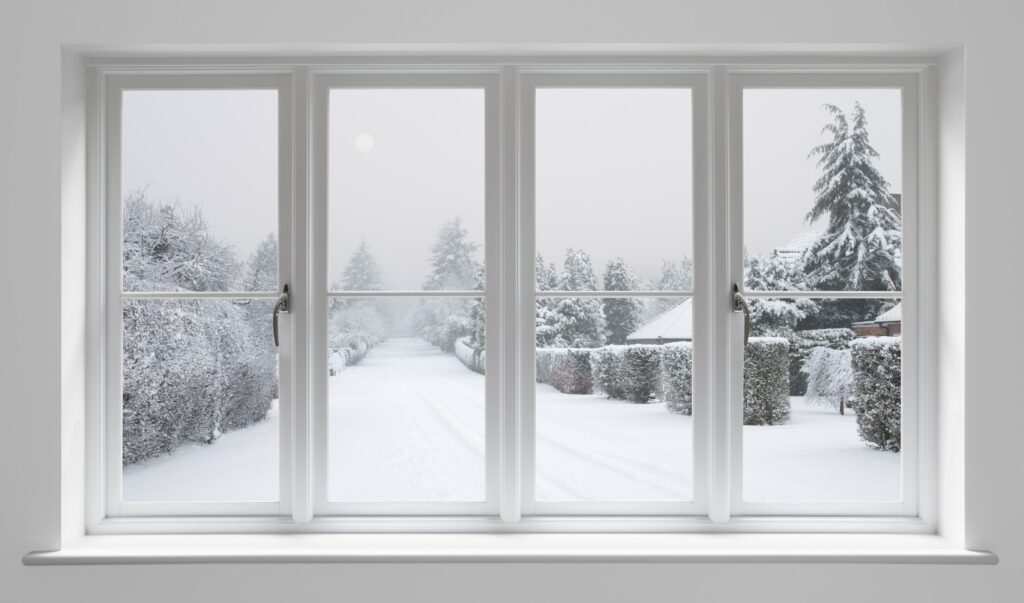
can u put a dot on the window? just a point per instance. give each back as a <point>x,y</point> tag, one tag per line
<point>519,298</point>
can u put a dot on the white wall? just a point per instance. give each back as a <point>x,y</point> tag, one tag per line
<point>31,130</point>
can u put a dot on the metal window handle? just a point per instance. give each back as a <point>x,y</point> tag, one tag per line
<point>282,307</point>
<point>739,304</point>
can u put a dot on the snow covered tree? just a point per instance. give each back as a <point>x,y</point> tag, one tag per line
<point>579,321</point>
<point>546,319</point>
<point>261,268</point>
<point>621,315</point>
<point>357,323</point>
<point>860,248</point>
<point>453,262</point>
<point>829,377</point>
<point>674,276</point>
<point>775,317</point>
<point>478,315</point>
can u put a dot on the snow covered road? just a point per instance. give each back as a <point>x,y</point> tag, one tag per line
<point>407,424</point>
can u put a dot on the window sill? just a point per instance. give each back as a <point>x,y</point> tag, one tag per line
<point>512,548</point>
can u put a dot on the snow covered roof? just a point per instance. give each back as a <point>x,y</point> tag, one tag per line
<point>674,324</point>
<point>893,314</point>
<point>792,250</point>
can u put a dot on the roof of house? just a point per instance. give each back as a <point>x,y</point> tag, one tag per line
<point>676,324</point>
<point>893,314</point>
<point>793,249</point>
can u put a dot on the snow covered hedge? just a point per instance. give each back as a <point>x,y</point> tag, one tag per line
<point>800,346</point>
<point>641,372</point>
<point>606,369</point>
<point>545,358</point>
<point>192,370</point>
<point>766,381</point>
<point>877,380</point>
<point>677,377</point>
<point>475,360</point>
<point>570,372</point>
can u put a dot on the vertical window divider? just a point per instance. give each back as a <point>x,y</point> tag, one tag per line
<point>524,415</point>
<point>295,221</point>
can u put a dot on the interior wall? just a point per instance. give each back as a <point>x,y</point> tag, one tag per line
<point>37,362</point>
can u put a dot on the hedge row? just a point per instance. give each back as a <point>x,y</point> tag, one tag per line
<point>766,381</point>
<point>677,377</point>
<point>877,381</point>
<point>800,346</point>
<point>474,359</point>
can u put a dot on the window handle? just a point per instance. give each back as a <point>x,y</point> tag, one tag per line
<point>283,305</point>
<point>739,304</point>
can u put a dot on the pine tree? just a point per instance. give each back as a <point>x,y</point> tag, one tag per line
<point>478,315</point>
<point>362,273</point>
<point>674,276</point>
<point>442,321</point>
<point>860,248</point>
<point>622,315</point>
<point>775,317</point>
<point>546,334</point>
<point>579,321</point>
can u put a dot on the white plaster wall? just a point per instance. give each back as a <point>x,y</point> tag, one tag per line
<point>31,354</point>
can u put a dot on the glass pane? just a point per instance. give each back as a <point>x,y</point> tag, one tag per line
<point>405,165</point>
<point>199,409</point>
<point>822,401</point>
<point>614,422</point>
<point>407,398</point>
<point>199,181</point>
<point>822,189</point>
<point>614,182</point>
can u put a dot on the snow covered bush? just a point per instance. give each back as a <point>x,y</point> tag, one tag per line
<point>570,372</point>
<point>677,376</point>
<point>829,377</point>
<point>800,345</point>
<point>877,379</point>
<point>473,359</point>
<point>545,358</point>
<point>641,372</point>
<point>766,381</point>
<point>606,370</point>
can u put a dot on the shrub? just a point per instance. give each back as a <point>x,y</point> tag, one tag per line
<point>677,377</point>
<point>766,381</point>
<point>800,347</point>
<point>545,358</point>
<point>606,369</point>
<point>829,376</point>
<point>474,359</point>
<point>641,372</point>
<point>570,372</point>
<point>877,379</point>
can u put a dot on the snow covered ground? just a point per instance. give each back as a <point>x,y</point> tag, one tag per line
<point>407,424</point>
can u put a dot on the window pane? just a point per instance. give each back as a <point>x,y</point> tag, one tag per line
<point>199,183</point>
<point>614,180</point>
<point>199,408</point>
<point>614,422</point>
<point>822,402</point>
<point>407,399</point>
<point>822,189</point>
<point>405,164</point>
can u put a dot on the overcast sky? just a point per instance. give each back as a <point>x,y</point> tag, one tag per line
<point>613,167</point>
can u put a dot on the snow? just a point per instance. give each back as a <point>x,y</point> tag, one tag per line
<point>675,324</point>
<point>407,424</point>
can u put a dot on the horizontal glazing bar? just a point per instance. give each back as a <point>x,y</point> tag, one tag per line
<point>826,294</point>
<point>610,294</point>
<point>200,294</point>
<point>406,293</point>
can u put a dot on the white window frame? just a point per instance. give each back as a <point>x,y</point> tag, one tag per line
<point>509,250</point>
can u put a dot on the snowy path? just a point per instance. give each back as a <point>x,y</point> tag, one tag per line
<point>407,424</point>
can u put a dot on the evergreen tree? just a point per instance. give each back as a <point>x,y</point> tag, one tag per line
<point>860,248</point>
<point>621,315</point>
<point>442,321</point>
<point>579,321</point>
<point>362,273</point>
<point>478,315</point>
<point>775,317</point>
<point>546,320</point>
<point>674,276</point>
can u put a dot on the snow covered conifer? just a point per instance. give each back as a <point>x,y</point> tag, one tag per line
<point>453,263</point>
<point>546,319</point>
<point>357,323</point>
<point>621,315</point>
<point>362,273</point>
<point>775,317</point>
<point>579,321</point>
<point>478,315</point>
<point>674,276</point>
<point>261,269</point>
<point>860,248</point>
